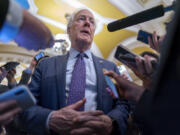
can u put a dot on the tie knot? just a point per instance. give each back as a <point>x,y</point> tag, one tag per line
<point>81,55</point>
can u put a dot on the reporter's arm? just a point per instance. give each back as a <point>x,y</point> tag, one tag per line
<point>27,30</point>
<point>142,111</point>
<point>33,34</point>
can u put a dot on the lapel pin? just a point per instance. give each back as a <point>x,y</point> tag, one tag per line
<point>101,61</point>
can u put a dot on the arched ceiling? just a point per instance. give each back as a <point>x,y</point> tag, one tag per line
<point>105,41</point>
<point>52,13</point>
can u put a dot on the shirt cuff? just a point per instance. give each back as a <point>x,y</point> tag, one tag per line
<point>13,22</point>
<point>47,122</point>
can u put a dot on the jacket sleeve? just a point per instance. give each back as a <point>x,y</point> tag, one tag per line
<point>33,120</point>
<point>25,78</point>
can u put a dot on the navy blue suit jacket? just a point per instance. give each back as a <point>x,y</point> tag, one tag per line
<point>48,86</point>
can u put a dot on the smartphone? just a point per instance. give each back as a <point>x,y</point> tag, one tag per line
<point>21,94</point>
<point>10,65</point>
<point>125,56</point>
<point>111,85</point>
<point>39,56</point>
<point>143,36</point>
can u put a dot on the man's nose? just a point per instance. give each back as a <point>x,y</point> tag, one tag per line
<point>87,23</point>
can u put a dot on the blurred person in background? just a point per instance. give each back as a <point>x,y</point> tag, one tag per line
<point>8,109</point>
<point>26,74</point>
<point>3,73</point>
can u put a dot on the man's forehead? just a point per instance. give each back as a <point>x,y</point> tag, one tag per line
<point>85,12</point>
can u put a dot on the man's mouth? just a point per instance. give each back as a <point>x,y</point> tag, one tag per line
<point>85,31</point>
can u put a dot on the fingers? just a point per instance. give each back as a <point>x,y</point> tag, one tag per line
<point>112,74</point>
<point>150,41</point>
<point>92,113</point>
<point>82,131</point>
<point>87,116</point>
<point>97,125</point>
<point>121,82</point>
<point>77,105</point>
<point>8,116</point>
<point>7,121</point>
<point>84,118</point>
<point>155,40</point>
<point>6,105</point>
<point>148,65</point>
<point>140,65</point>
<point>93,126</point>
<point>125,76</point>
<point>13,70</point>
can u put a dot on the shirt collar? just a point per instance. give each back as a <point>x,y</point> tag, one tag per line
<point>73,53</point>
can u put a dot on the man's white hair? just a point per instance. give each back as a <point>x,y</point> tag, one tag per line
<point>71,19</point>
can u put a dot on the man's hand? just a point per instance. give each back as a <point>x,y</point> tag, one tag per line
<point>127,89</point>
<point>62,121</point>
<point>8,109</point>
<point>99,125</point>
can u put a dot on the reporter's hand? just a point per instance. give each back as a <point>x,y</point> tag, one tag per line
<point>32,64</point>
<point>127,89</point>
<point>155,43</point>
<point>8,109</point>
<point>61,121</point>
<point>145,70</point>
<point>99,125</point>
<point>10,76</point>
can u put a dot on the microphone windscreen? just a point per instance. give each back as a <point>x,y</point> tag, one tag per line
<point>137,18</point>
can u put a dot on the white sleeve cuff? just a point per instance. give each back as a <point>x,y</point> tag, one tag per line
<point>47,122</point>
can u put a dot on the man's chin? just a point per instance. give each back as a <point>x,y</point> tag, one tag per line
<point>85,40</point>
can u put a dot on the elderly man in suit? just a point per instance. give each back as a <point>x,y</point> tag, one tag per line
<point>71,89</point>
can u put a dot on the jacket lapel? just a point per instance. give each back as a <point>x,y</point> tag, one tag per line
<point>61,64</point>
<point>98,63</point>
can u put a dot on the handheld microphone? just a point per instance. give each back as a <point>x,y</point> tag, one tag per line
<point>137,18</point>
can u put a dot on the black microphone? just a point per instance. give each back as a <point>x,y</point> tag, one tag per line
<point>137,18</point>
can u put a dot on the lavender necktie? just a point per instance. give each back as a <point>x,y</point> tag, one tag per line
<point>78,81</point>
